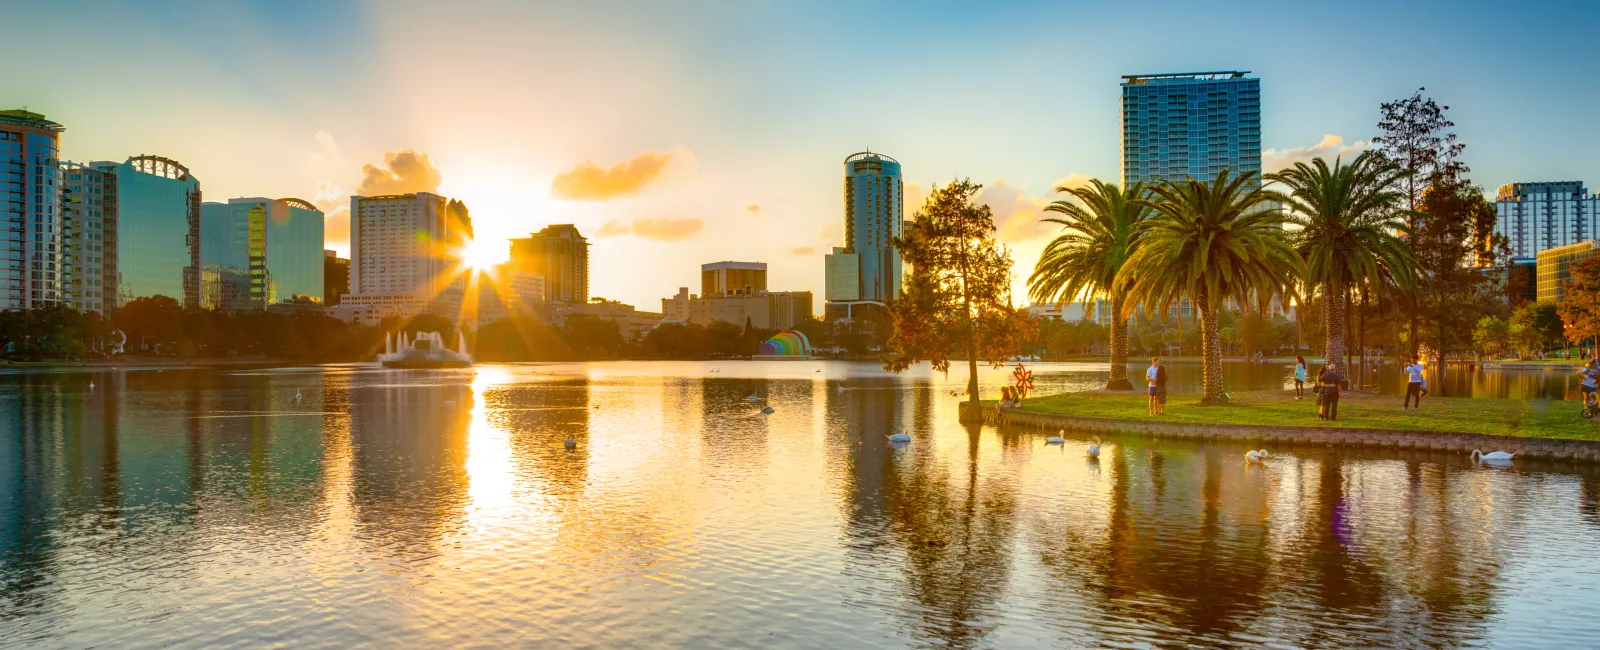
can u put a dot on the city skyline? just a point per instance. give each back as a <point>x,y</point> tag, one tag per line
<point>735,157</point>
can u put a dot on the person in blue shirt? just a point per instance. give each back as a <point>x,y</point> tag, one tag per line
<point>1299,377</point>
<point>1152,374</point>
<point>1591,379</point>
<point>1414,383</point>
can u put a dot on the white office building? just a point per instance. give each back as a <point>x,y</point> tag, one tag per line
<point>404,256</point>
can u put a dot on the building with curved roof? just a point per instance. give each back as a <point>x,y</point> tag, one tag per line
<point>788,344</point>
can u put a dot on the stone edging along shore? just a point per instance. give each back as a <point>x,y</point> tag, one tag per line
<point>1443,441</point>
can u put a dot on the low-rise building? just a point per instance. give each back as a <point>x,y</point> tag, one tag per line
<point>1555,268</point>
<point>778,310</point>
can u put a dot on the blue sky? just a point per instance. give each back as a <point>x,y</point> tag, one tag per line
<point>757,103</point>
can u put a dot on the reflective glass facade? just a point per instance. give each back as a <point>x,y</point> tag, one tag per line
<point>1535,217</point>
<point>33,246</point>
<point>1193,124</point>
<point>873,215</point>
<point>158,230</point>
<point>257,252</point>
<point>1555,268</point>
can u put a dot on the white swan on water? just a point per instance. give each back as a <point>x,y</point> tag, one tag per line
<point>570,443</point>
<point>1255,456</point>
<point>900,437</point>
<point>1493,456</point>
<point>1057,439</point>
<point>297,395</point>
<point>1093,451</point>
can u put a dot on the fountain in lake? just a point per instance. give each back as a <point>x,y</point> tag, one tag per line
<point>425,350</point>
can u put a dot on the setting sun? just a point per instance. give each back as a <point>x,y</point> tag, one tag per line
<point>483,254</point>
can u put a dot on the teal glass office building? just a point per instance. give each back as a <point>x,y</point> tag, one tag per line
<point>158,230</point>
<point>257,252</point>
<point>874,199</point>
<point>1190,124</point>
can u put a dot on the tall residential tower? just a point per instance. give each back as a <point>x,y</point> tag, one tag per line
<point>404,256</point>
<point>1535,217</point>
<point>559,254</point>
<point>1190,124</point>
<point>868,266</point>
<point>33,246</point>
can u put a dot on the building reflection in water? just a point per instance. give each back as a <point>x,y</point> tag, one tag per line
<point>429,505</point>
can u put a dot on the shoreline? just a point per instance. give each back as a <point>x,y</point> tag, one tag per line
<point>1558,449</point>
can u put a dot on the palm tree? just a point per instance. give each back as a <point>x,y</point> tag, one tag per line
<point>1351,226</point>
<point>1211,242</point>
<point>1098,237</point>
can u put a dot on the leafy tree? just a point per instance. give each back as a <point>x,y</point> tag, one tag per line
<point>1100,231</point>
<point>958,296</point>
<point>1350,231</point>
<point>1212,242</point>
<point>1492,336</point>
<point>1458,291</point>
<point>1580,308</point>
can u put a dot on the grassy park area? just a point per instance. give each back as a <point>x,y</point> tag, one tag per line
<point>1538,418</point>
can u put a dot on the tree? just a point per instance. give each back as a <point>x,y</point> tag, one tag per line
<point>1083,261</point>
<point>1415,134</point>
<point>1212,242</point>
<point>1536,326</point>
<point>1350,231</point>
<point>1100,231</point>
<point>1458,292</point>
<point>1580,308</point>
<point>1492,336</point>
<point>958,296</point>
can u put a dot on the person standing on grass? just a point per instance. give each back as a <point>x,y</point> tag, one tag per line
<point>1150,375</point>
<point>1161,388</point>
<point>1414,382</point>
<point>1330,383</point>
<point>1299,377</point>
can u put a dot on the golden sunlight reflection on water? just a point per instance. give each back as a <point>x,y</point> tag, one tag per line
<point>441,508</point>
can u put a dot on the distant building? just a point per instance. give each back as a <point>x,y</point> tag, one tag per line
<point>401,257</point>
<point>733,278</point>
<point>257,252</point>
<point>1555,267</point>
<point>33,222</point>
<point>559,254</point>
<point>1063,311</point>
<point>868,267</point>
<point>1190,124</point>
<point>505,292</point>
<point>1524,271</point>
<point>1535,217</point>
<point>91,205</point>
<point>765,310</point>
<point>632,322</point>
<point>158,230</point>
<point>335,277</point>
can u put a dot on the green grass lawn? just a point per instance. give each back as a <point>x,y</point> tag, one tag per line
<point>1539,418</point>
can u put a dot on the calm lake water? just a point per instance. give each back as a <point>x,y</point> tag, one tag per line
<point>433,509</point>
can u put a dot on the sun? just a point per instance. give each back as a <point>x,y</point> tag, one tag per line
<point>482,255</point>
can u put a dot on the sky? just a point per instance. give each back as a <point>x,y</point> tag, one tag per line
<point>675,134</point>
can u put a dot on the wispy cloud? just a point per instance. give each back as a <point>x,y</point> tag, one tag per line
<point>752,208</point>
<point>803,250</point>
<point>588,182</point>
<point>652,229</point>
<point>1275,160</point>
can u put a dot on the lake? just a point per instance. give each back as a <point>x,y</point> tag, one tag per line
<point>188,508</point>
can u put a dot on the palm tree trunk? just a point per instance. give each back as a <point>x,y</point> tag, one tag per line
<point>1119,346</point>
<point>1210,350</point>
<point>1333,322</point>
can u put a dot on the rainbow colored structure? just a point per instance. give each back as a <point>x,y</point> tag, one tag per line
<point>788,344</point>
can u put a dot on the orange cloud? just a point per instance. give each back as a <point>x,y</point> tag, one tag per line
<point>588,182</point>
<point>653,229</point>
<point>1331,146</point>
<point>403,172</point>
<point>752,208</point>
<point>803,250</point>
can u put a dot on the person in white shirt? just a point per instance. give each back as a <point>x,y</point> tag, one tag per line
<point>1413,384</point>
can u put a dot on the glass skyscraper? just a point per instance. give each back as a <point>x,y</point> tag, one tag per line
<point>868,266</point>
<point>1191,124</point>
<point>158,230</point>
<point>1535,217</point>
<point>257,252</point>
<point>34,269</point>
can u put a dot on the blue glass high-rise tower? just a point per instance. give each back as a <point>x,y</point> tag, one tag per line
<point>1190,124</point>
<point>868,266</point>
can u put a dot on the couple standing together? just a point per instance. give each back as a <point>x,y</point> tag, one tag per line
<point>1329,383</point>
<point>1156,374</point>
